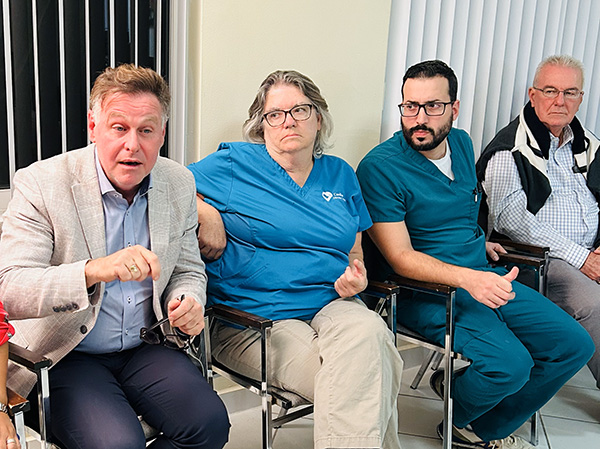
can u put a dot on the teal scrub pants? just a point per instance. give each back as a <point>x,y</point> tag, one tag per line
<point>522,353</point>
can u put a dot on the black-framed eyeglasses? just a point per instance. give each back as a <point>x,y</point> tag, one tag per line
<point>552,92</point>
<point>153,336</point>
<point>299,113</point>
<point>433,108</point>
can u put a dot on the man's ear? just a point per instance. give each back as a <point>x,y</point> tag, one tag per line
<point>455,108</point>
<point>91,124</point>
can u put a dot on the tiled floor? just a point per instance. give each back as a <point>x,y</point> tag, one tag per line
<point>571,420</point>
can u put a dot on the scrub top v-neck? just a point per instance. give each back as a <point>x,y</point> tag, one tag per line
<point>400,184</point>
<point>286,244</point>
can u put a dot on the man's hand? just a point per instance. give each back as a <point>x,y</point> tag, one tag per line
<point>352,281</point>
<point>491,289</point>
<point>591,266</point>
<point>211,233</point>
<point>134,263</point>
<point>8,436</point>
<point>187,315</point>
<point>493,249</point>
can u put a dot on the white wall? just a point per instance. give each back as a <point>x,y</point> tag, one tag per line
<point>233,45</point>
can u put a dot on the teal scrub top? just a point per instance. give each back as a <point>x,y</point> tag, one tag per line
<point>400,184</point>
<point>286,244</point>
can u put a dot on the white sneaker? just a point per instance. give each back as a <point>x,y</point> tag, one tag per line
<point>466,438</point>
<point>511,442</point>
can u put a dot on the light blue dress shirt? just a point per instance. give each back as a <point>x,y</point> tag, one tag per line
<point>126,306</point>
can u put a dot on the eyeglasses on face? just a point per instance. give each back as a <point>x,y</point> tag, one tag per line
<point>552,92</point>
<point>152,335</point>
<point>299,113</point>
<point>433,108</point>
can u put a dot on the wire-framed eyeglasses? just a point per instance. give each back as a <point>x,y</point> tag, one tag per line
<point>153,336</point>
<point>433,108</point>
<point>299,113</point>
<point>552,92</point>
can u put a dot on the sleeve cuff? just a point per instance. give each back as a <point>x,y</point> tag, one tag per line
<point>577,256</point>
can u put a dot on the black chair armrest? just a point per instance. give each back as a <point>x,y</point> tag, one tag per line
<point>517,259</point>
<point>16,402</point>
<point>239,317</point>
<point>31,360</point>
<point>421,286</point>
<point>523,248</point>
<point>376,288</point>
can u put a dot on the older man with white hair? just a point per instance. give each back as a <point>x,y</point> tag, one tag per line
<point>542,180</point>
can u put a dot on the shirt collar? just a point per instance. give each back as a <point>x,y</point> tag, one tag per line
<point>567,138</point>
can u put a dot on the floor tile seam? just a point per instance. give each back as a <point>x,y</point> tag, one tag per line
<point>405,395</point>
<point>425,437</point>
<point>544,415</point>
<point>581,387</point>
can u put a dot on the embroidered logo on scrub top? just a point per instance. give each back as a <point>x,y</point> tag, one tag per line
<point>328,196</point>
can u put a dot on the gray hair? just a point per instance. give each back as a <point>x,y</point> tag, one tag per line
<point>253,127</point>
<point>562,61</point>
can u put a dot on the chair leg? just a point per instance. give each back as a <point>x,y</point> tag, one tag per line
<point>448,372</point>
<point>265,390</point>
<point>536,421</point>
<point>282,413</point>
<point>20,428</point>
<point>44,408</point>
<point>426,362</point>
<point>267,424</point>
<point>436,360</point>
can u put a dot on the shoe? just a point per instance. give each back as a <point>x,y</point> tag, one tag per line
<point>468,439</point>
<point>512,442</point>
<point>436,381</point>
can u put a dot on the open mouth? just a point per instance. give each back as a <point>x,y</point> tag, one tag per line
<point>131,163</point>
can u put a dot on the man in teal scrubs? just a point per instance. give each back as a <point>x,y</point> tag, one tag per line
<point>421,191</point>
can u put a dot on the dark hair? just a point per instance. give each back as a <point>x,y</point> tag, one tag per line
<point>431,69</point>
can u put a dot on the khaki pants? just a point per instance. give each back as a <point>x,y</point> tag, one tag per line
<point>344,361</point>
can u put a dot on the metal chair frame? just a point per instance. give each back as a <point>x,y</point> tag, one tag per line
<point>263,388</point>
<point>449,293</point>
<point>39,365</point>
<point>522,255</point>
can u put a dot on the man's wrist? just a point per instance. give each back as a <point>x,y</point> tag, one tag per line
<point>4,408</point>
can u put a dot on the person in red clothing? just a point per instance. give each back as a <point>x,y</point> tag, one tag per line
<point>8,435</point>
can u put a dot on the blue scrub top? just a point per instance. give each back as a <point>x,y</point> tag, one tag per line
<point>286,244</point>
<point>400,184</point>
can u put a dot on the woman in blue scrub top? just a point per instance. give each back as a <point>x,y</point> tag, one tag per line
<point>280,231</point>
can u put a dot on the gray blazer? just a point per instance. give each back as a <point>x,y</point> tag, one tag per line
<point>54,224</point>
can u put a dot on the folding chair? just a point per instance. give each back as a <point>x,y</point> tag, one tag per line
<point>533,258</point>
<point>269,395</point>
<point>38,365</point>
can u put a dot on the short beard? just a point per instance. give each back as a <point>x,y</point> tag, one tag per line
<point>435,141</point>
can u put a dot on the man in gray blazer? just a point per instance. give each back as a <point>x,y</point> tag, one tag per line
<point>98,245</point>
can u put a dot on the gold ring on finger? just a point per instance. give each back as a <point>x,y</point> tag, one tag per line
<point>134,269</point>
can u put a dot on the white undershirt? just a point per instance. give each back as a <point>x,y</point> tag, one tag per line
<point>445,164</point>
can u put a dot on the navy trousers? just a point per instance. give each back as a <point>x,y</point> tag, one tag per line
<point>96,400</point>
<point>522,353</point>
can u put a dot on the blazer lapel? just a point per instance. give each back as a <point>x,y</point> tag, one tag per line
<point>88,202</point>
<point>159,220</point>
<point>158,216</point>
